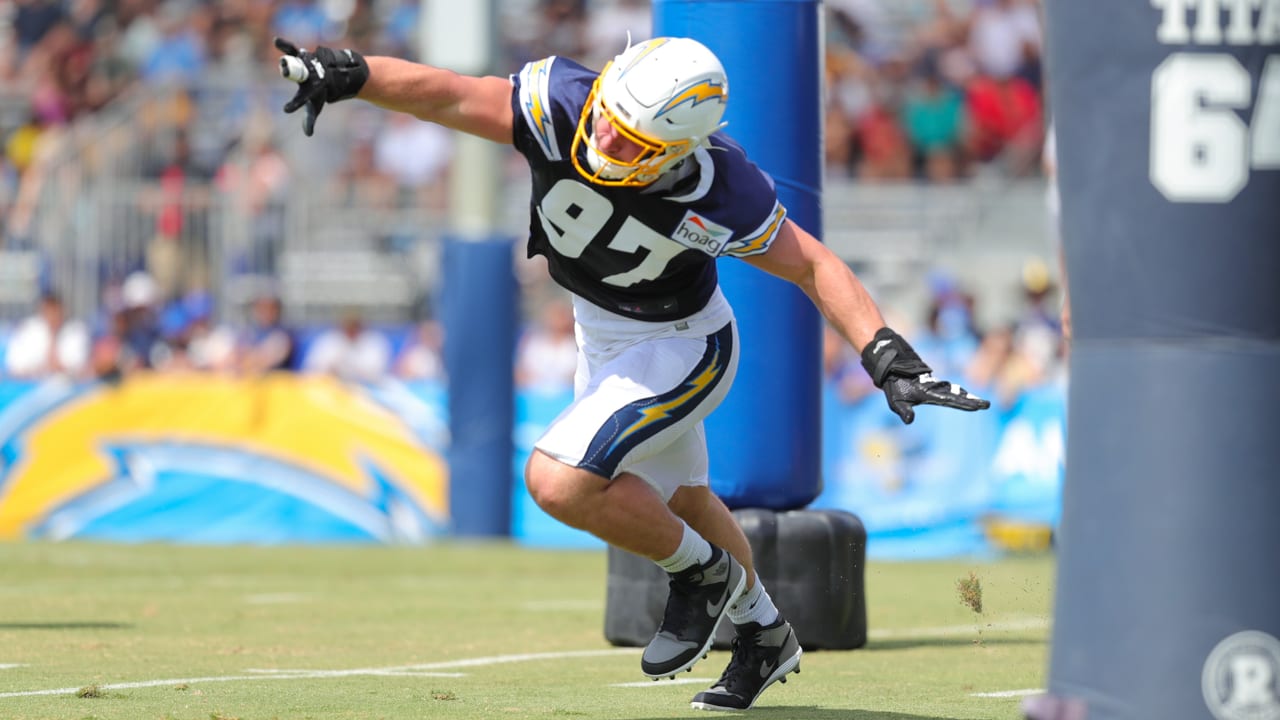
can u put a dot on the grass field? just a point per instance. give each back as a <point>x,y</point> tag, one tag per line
<point>459,631</point>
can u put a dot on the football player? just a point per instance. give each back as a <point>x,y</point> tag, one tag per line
<point>636,193</point>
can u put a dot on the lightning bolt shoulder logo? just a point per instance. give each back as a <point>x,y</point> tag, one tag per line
<point>535,81</point>
<point>762,237</point>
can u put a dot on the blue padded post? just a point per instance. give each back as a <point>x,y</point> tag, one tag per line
<point>765,440</point>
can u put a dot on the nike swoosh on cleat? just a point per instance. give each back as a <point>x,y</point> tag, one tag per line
<point>766,669</point>
<point>713,609</point>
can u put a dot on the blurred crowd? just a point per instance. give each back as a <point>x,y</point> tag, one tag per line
<point>145,334</point>
<point>927,89</point>
<point>917,90</point>
<point>956,90</point>
<point>1000,362</point>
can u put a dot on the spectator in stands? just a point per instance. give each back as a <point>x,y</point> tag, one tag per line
<point>1004,37</point>
<point>863,26</point>
<point>951,333</point>
<point>1038,335</point>
<point>256,178</point>
<point>210,346</point>
<point>268,344</point>
<point>52,73</point>
<point>1005,365</point>
<point>360,183</point>
<point>131,339</point>
<point>934,117</point>
<point>519,36</point>
<point>193,342</point>
<point>400,28</point>
<point>140,296</point>
<point>107,353</point>
<point>352,351</point>
<point>942,32</point>
<point>47,343</point>
<point>986,370</point>
<point>850,82</point>
<point>230,47</point>
<point>179,53</point>
<point>1003,99</point>
<point>178,247</point>
<point>32,19</point>
<point>1006,123</point>
<point>564,27</point>
<point>417,155</point>
<point>1026,351</point>
<point>547,355</point>
<point>422,356</point>
<point>883,148</point>
<point>304,18</point>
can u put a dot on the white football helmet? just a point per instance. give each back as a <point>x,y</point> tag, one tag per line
<point>666,94</point>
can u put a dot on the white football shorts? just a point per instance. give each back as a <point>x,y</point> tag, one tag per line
<point>641,392</point>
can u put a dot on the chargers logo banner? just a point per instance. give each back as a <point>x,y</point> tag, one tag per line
<point>206,459</point>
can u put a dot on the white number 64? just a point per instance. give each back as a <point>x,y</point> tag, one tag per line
<point>1201,150</point>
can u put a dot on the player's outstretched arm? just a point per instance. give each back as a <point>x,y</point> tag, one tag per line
<point>480,106</point>
<point>894,366</point>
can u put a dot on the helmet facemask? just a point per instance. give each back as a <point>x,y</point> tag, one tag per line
<point>666,117</point>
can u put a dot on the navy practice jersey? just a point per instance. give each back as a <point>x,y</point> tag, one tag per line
<point>644,253</point>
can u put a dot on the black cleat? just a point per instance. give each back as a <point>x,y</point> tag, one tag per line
<point>761,656</point>
<point>698,600</point>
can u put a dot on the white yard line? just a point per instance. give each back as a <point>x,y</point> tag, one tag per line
<point>389,672</point>
<point>435,669</point>
<point>1008,693</point>
<point>309,674</point>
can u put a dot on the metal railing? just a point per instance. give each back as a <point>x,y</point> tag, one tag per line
<point>99,214</point>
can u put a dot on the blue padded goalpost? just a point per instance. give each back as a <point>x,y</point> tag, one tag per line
<point>765,439</point>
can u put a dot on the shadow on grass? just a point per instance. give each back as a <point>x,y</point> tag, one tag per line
<point>66,625</point>
<point>810,712</point>
<point>909,643</point>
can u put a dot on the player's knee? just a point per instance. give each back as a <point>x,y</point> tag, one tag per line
<point>552,486</point>
<point>693,503</point>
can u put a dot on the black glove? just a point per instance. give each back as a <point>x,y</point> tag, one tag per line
<point>330,76</point>
<point>906,380</point>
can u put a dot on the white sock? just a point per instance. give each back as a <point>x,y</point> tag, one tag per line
<point>693,550</point>
<point>755,606</point>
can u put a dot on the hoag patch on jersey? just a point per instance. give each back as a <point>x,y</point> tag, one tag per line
<point>699,233</point>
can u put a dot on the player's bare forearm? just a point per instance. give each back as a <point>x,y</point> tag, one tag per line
<point>835,290</point>
<point>479,106</point>
<point>844,301</point>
